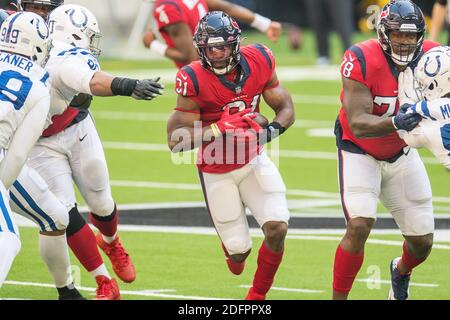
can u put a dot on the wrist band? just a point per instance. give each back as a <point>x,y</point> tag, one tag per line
<point>261,23</point>
<point>158,47</point>
<point>123,86</point>
<point>215,129</point>
<point>274,130</point>
<point>393,123</point>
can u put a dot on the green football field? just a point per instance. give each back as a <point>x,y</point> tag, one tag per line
<point>187,265</point>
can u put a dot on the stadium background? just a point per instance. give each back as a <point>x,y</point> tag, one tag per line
<point>163,220</point>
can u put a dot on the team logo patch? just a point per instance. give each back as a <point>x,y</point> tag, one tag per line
<point>384,13</point>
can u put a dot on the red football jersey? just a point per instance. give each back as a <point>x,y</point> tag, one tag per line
<point>167,12</point>
<point>213,93</point>
<point>366,63</point>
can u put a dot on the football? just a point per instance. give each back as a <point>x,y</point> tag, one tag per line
<point>260,119</point>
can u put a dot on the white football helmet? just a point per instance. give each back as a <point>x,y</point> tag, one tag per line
<point>432,73</point>
<point>75,25</point>
<point>26,33</point>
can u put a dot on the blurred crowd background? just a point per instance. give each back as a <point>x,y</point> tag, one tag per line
<point>122,22</point>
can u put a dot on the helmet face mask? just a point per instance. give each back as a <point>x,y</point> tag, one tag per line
<point>75,25</point>
<point>432,74</point>
<point>217,40</point>
<point>41,7</point>
<point>401,31</point>
<point>26,33</point>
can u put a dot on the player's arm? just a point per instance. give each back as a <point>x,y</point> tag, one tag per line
<point>103,84</point>
<point>23,140</point>
<point>271,28</point>
<point>358,104</point>
<point>279,99</point>
<point>83,77</point>
<point>183,52</point>
<point>184,129</point>
<point>437,20</point>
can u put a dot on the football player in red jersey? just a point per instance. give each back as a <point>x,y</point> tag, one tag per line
<point>221,91</point>
<point>374,163</point>
<point>177,19</point>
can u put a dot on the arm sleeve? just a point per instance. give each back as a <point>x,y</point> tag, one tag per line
<point>23,140</point>
<point>167,14</point>
<point>76,74</point>
<point>437,110</point>
<point>266,60</point>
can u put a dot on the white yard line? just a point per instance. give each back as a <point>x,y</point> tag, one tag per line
<point>297,154</point>
<point>192,186</point>
<point>145,293</point>
<point>412,284</point>
<point>285,74</point>
<point>162,117</point>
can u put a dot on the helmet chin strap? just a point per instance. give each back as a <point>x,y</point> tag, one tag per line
<point>402,62</point>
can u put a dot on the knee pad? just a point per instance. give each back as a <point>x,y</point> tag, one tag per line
<point>95,174</point>
<point>237,245</point>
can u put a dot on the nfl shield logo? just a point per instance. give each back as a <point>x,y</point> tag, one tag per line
<point>238,90</point>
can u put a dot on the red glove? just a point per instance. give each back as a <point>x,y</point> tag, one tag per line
<point>229,122</point>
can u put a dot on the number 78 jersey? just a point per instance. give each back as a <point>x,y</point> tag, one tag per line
<point>367,64</point>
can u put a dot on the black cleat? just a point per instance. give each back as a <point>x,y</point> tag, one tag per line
<point>69,293</point>
<point>399,283</point>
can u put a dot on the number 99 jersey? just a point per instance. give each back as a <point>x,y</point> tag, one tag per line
<point>367,64</point>
<point>23,84</point>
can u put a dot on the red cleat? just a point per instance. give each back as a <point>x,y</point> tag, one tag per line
<point>235,267</point>
<point>121,261</point>
<point>107,289</point>
<point>252,295</point>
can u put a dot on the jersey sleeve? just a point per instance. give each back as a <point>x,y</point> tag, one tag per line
<point>437,110</point>
<point>186,83</point>
<point>266,60</point>
<point>76,73</point>
<point>353,65</point>
<point>168,13</point>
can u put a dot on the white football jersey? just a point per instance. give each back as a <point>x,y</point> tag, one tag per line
<point>433,132</point>
<point>71,70</point>
<point>22,85</point>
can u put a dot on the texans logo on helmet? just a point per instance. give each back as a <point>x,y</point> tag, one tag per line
<point>384,13</point>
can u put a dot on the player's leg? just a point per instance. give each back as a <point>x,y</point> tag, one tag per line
<point>228,216</point>
<point>407,195</point>
<point>31,197</point>
<point>264,193</point>
<point>359,186</point>
<point>53,167</point>
<point>9,236</point>
<point>90,173</point>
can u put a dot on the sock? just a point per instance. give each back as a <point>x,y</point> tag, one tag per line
<point>106,225</point>
<point>346,267</point>
<point>268,262</point>
<point>54,252</point>
<point>109,240</point>
<point>84,247</point>
<point>101,271</point>
<point>408,260</point>
<point>82,241</point>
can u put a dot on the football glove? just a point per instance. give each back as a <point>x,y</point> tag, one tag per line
<point>229,122</point>
<point>147,89</point>
<point>406,121</point>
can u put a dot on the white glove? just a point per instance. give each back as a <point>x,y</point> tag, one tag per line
<point>407,93</point>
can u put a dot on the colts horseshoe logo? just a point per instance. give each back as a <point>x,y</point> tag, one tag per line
<point>72,17</point>
<point>438,68</point>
